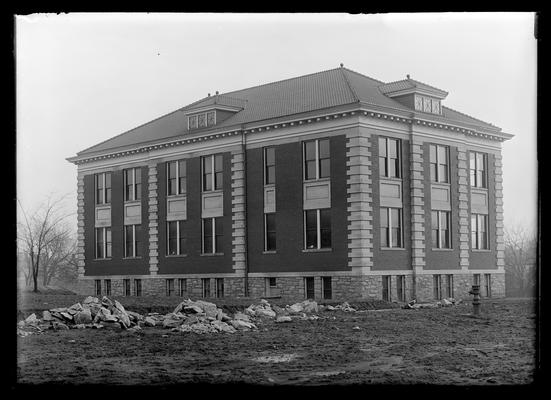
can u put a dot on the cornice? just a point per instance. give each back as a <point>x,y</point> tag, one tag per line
<point>252,128</point>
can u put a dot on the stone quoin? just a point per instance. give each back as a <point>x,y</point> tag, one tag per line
<point>332,185</point>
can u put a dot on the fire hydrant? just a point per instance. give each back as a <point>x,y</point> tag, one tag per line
<point>475,291</point>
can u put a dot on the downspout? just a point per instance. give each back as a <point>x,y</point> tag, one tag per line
<point>246,241</point>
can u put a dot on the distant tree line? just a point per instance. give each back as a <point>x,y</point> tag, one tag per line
<point>520,262</point>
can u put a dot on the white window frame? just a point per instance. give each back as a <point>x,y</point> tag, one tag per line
<point>265,165</point>
<point>479,218</point>
<point>476,169</point>
<point>317,146</point>
<point>213,173</point>
<point>178,249</point>
<point>103,231</point>
<point>318,229</point>
<point>103,180</point>
<point>177,178</point>
<point>439,229</point>
<point>214,248</point>
<point>134,185</point>
<point>387,158</point>
<point>401,225</point>
<point>197,116</point>
<point>438,163</point>
<point>133,255</point>
<point>266,232</point>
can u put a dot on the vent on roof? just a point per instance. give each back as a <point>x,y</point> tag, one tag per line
<point>415,95</point>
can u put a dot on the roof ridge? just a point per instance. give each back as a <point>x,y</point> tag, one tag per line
<point>282,80</point>
<point>354,95</point>
<point>467,115</point>
<point>365,76</point>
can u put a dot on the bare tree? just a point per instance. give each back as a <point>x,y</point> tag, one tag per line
<point>41,237</point>
<point>520,261</point>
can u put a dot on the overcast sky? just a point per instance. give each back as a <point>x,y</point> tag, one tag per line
<point>83,78</point>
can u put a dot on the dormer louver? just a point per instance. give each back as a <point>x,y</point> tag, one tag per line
<point>212,111</point>
<point>415,95</point>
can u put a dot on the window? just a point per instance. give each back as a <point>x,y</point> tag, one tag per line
<point>439,163</point>
<point>269,232</point>
<point>449,286</point>
<point>103,243</point>
<point>98,287</point>
<point>309,287</point>
<point>176,240</point>
<point>391,227</point>
<point>132,184</point>
<point>102,184</point>
<point>219,287</point>
<point>401,287</point>
<point>107,283</point>
<point>169,287</point>
<point>269,165</point>
<point>202,120</point>
<point>437,285</point>
<point>212,172</point>
<point>317,161</point>
<point>176,181</point>
<point>182,287</point>
<point>272,282</point>
<point>271,288</point>
<point>476,279</point>
<point>205,282</point>
<point>326,287</point>
<point>317,229</point>
<point>487,285</point>
<point>213,233</point>
<point>389,158</point>
<point>440,221</point>
<point>387,280</point>
<point>479,232</point>
<point>131,242</point>
<point>192,122</point>
<point>137,287</point>
<point>477,164</point>
<point>126,287</point>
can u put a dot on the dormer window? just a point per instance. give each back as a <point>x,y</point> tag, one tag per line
<point>202,120</point>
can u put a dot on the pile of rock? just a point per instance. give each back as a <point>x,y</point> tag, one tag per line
<point>306,306</point>
<point>342,307</point>
<point>441,303</point>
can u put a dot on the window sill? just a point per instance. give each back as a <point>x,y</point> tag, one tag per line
<point>212,191</point>
<point>269,252</point>
<point>440,183</point>
<point>269,185</point>
<point>211,254</point>
<point>327,179</point>
<point>102,259</point>
<point>322,250</point>
<point>390,178</point>
<point>481,250</point>
<point>175,255</point>
<point>393,248</point>
<point>438,249</point>
<point>132,258</point>
<point>128,202</point>
<point>176,196</point>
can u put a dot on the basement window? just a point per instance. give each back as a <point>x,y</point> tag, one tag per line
<point>387,280</point>
<point>206,287</point>
<point>98,287</point>
<point>437,286</point>
<point>182,287</point>
<point>326,287</point>
<point>449,285</point>
<point>169,287</point>
<point>487,285</point>
<point>401,287</point>
<point>137,287</point>
<point>219,287</point>
<point>126,287</point>
<point>107,283</point>
<point>309,287</point>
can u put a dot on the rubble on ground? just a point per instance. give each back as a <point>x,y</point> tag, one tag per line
<point>447,302</point>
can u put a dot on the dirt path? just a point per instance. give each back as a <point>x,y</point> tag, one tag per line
<point>443,346</point>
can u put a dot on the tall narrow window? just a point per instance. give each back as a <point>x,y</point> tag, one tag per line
<point>205,282</point>
<point>449,286</point>
<point>387,282</point>
<point>212,172</point>
<point>309,287</point>
<point>437,285</point>
<point>391,227</point>
<point>132,184</point>
<point>107,283</point>
<point>389,158</point>
<point>479,231</point>
<point>126,287</point>
<point>219,287</point>
<point>269,232</point>
<point>131,243</point>
<point>176,177</point>
<point>137,287</point>
<point>269,165</point>
<point>176,238</point>
<point>439,163</point>
<point>317,228</point>
<point>213,234</point>
<point>477,169</point>
<point>182,287</point>
<point>98,287</point>
<point>169,287</point>
<point>440,222</point>
<point>103,243</point>
<point>317,159</point>
<point>401,287</point>
<point>326,287</point>
<point>476,279</point>
<point>102,184</point>
<point>488,285</point>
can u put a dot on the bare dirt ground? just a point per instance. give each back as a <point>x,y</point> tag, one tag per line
<point>395,346</point>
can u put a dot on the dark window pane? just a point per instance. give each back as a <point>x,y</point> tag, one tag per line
<point>219,225</point>
<point>137,240</point>
<point>384,237</point>
<point>218,180</point>
<point>310,170</point>
<point>309,283</point>
<point>395,218</point>
<point>444,239</point>
<point>325,219</point>
<point>270,156</point>
<point>394,164</point>
<point>433,172</point>
<point>325,168</point>
<point>271,241</point>
<point>207,182</point>
<point>382,167</point>
<point>434,219</point>
<point>311,239</point>
<point>218,163</point>
<point>382,147</point>
<point>219,243</point>
<point>396,237</point>
<point>99,243</point>
<point>108,187</point>
<point>324,148</point>
<point>442,155</point>
<point>182,176</point>
<point>207,165</point>
<point>442,173</point>
<point>434,236</point>
<point>432,152</point>
<point>393,148</point>
<point>172,238</point>
<point>107,242</point>
<point>270,175</point>
<point>384,217</point>
<point>325,238</point>
<point>128,241</point>
<point>310,150</point>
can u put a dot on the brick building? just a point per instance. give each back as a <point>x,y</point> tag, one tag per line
<point>329,185</point>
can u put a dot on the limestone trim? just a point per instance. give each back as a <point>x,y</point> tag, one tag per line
<point>463,188</point>
<point>498,193</point>
<point>417,195</point>
<point>239,222</point>
<point>359,200</point>
<point>80,225</point>
<point>153,220</point>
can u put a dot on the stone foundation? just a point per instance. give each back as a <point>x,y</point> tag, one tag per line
<point>343,288</point>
